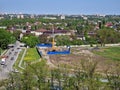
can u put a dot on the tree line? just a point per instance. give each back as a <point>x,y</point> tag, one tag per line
<point>39,76</point>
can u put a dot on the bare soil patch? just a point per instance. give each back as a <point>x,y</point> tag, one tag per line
<point>81,54</point>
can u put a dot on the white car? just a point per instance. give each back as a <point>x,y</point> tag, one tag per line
<point>3,61</point>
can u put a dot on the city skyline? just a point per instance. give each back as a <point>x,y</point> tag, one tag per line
<point>60,7</point>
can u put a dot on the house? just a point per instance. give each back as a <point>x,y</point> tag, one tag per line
<point>40,32</point>
<point>82,36</point>
<point>109,24</point>
<point>57,32</point>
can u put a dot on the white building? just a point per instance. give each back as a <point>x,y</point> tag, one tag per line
<point>32,16</point>
<point>1,17</point>
<point>52,18</point>
<point>62,17</point>
<point>20,16</point>
<point>39,32</point>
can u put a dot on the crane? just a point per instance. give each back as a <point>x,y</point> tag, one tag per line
<point>53,48</point>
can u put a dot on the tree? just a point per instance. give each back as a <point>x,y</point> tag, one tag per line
<point>43,38</point>
<point>107,35</point>
<point>113,76</point>
<point>80,29</point>
<point>30,40</point>
<point>13,82</point>
<point>86,77</point>
<point>40,71</point>
<point>56,75</point>
<point>16,34</point>
<point>6,38</point>
<point>91,40</point>
<point>62,40</point>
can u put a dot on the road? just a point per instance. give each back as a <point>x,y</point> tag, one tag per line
<point>12,54</point>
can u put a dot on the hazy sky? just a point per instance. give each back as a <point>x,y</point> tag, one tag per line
<point>61,6</point>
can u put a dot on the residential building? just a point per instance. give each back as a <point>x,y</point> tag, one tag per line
<point>62,17</point>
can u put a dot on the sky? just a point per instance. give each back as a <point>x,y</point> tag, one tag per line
<point>73,7</point>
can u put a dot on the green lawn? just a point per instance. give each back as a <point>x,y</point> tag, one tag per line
<point>18,60</point>
<point>112,53</point>
<point>31,55</point>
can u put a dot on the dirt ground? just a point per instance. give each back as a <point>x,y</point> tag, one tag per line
<point>80,54</point>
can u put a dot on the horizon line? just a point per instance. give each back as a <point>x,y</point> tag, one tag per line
<point>57,13</point>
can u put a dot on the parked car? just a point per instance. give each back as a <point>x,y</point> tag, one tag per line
<point>12,49</point>
<point>3,61</point>
<point>12,58</point>
<point>15,53</point>
<point>9,53</point>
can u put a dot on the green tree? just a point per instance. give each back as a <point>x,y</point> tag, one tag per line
<point>107,35</point>
<point>30,40</point>
<point>40,71</point>
<point>80,29</point>
<point>62,40</point>
<point>6,38</point>
<point>43,38</point>
<point>113,76</point>
<point>16,34</point>
<point>56,75</point>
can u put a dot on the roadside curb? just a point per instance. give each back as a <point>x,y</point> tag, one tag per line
<point>19,65</point>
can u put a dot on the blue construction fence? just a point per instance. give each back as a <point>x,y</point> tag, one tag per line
<point>44,45</point>
<point>54,52</point>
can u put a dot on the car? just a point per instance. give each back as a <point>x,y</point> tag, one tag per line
<point>3,61</point>
<point>12,49</point>
<point>15,53</point>
<point>12,58</point>
<point>18,48</point>
<point>9,53</point>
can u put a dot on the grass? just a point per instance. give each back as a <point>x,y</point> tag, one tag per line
<point>31,55</point>
<point>112,53</point>
<point>2,51</point>
<point>18,60</point>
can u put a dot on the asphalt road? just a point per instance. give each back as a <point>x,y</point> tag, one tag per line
<point>12,54</point>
